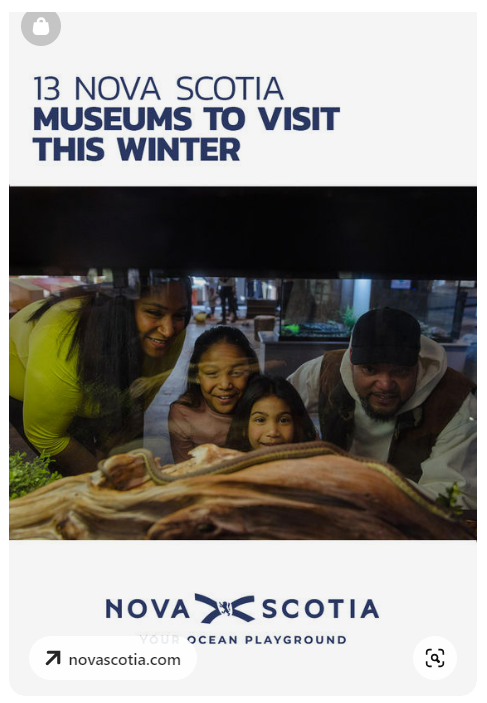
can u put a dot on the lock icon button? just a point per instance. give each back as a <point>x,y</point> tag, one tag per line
<point>40,27</point>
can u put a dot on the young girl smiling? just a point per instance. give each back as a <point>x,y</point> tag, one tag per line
<point>270,413</point>
<point>220,367</point>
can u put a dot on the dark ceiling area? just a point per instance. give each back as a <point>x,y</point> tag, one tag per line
<point>378,232</point>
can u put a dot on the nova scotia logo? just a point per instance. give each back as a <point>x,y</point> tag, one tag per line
<point>289,608</point>
<point>225,608</point>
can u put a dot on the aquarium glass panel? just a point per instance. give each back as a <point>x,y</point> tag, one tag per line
<point>326,309</point>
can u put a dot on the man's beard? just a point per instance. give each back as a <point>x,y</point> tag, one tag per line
<point>377,415</point>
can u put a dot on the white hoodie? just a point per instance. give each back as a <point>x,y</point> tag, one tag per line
<point>454,456</point>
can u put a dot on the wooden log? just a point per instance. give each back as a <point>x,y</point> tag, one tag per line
<point>317,497</point>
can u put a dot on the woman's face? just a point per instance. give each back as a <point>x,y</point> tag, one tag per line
<point>223,372</point>
<point>160,317</point>
<point>270,423</point>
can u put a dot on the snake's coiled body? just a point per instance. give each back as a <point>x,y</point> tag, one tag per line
<point>290,452</point>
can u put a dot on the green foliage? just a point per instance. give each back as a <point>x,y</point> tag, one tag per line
<point>26,476</point>
<point>449,499</point>
<point>348,317</point>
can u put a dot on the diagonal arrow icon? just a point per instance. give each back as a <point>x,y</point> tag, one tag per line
<point>56,654</point>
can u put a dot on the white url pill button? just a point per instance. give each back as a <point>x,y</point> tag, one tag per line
<point>126,658</point>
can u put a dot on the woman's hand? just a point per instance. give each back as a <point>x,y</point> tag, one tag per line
<point>75,459</point>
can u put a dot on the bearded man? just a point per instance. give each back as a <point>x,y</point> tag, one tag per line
<point>392,397</point>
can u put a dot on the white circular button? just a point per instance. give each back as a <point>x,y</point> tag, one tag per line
<point>435,658</point>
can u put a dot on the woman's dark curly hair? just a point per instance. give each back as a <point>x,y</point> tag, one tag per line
<point>106,340</point>
<point>260,387</point>
<point>192,397</point>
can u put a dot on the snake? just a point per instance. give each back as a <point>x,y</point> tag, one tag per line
<point>300,450</point>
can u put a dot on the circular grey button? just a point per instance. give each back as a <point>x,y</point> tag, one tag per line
<point>41,28</point>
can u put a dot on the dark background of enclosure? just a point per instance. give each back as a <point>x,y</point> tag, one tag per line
<point>370,232</point>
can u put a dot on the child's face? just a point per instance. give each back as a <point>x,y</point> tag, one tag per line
<point>223,372</point>
<point>270,423</point>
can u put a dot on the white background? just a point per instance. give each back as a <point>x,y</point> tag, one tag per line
<point>405,85</point>
<point>414,588</point>
<point>378,78</point>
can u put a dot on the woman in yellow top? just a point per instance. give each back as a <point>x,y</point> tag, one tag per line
<point>84,366</point>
